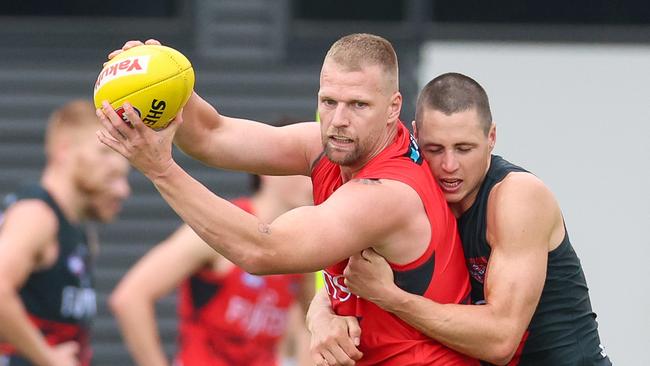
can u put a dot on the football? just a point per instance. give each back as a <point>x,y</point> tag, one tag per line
<point>156,80</point>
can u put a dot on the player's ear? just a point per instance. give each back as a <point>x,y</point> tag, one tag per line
<point>396,105</point>
<point>492,136</point>
<point>415,129</point>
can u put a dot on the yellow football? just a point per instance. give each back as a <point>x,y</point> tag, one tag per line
<point>156,80</point>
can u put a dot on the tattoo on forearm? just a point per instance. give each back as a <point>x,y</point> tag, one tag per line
<point>264,228</point>
<point>367,181</point>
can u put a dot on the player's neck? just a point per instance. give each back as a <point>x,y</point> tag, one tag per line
<point>65,194</point>
<point>460,207</point>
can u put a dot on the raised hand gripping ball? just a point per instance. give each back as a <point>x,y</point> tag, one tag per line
<point>156,80</point>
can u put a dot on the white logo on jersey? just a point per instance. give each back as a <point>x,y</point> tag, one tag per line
<point>335,287</point>
<point>258,317</point>
<point>78,303</point>
<point>602,351</point>
<point>76,265</point>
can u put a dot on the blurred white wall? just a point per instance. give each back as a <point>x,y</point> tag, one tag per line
<point>578,116</point>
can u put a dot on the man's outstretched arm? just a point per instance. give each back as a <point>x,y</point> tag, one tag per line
<point>356,216</point>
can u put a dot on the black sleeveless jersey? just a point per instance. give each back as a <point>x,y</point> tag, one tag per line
<point>60,300</point>
<point>563,330</point>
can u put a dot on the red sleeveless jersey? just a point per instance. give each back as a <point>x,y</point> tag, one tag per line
<point>439,274</point>
<point>234,318</point>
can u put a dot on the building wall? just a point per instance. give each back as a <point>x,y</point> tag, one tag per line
<point>577,116</point>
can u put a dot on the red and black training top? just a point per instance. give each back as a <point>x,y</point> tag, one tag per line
<point>60,300</point>
<point>439,274</point>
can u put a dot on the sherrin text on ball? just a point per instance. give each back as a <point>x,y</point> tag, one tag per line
<point>156,80</point>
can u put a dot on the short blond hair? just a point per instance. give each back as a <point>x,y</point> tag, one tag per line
<point>357,50</point>
<point>75,116</point>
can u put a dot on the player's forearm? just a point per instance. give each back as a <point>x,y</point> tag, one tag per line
<point>137,321</point>
<point>320,311</point>
<point>303,337</point>
<point>17,330</point>
<point>474,330</point>
<point>234,233</point>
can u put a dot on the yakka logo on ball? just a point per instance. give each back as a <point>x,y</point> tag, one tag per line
<point>128,66</point>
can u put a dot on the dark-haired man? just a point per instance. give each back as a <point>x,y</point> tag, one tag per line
<point>531,302</point>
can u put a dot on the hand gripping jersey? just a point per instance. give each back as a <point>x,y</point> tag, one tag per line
<point>234,318</point>
<point>439,274</point>
<point>563,330</point>
<point>60,300</point>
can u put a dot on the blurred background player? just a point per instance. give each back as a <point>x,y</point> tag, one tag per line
<point>46,253</point>
<point>227,316</point>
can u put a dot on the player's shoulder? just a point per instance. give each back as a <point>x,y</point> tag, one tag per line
<point>520,185</point>
<point>522,211</point>
<point>31,211</point>
<point>29,225</point>
<point>382,187</point>
<point>522,191</point>
<point>383,196</point>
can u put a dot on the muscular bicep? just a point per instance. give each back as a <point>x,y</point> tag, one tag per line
<point>357,216</point>
<point>245,145</point>
<point>28,228</point>
<point>522,215</point>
